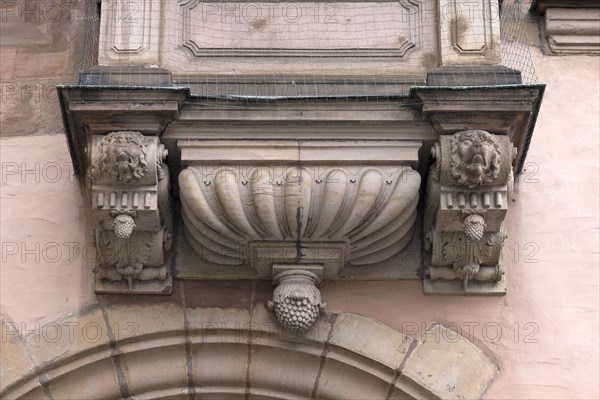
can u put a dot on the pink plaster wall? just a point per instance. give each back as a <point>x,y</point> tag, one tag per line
<point>46,242</point>
<point>548,324</point>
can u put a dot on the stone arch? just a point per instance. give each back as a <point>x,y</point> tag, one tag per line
<point>161,351</point>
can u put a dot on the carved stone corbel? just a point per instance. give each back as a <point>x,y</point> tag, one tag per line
<point>128,184</point>
<point>296,299</point>
<point>468,191</point>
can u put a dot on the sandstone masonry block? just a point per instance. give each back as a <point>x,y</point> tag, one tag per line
<point>449,365</point>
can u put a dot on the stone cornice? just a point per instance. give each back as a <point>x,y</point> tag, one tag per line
<point>570,27</point>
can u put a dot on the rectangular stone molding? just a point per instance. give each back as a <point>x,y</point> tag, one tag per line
<point>573,30</point>
<point>237,37</point>
<point>316,37</point>
<point>129,32</point>
<point>469,32</point>
<point>300,29</point>
<point>128,183</point>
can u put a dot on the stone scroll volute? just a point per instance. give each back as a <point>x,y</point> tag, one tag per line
<point>468,192</point>
<point>128,184</point>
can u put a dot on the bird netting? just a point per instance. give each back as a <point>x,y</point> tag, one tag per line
<point>279,51</point>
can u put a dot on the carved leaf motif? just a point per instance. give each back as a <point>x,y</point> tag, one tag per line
<point>457,248</point>
<point>453,247</point>
<point>115,250</point>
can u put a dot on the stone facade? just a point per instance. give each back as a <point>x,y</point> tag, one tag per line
<point>214,333</point>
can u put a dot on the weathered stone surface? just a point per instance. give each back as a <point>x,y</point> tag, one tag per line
<point>14,359</point>
<point>128,183</point>
<point>267,331</point>
<point>573,30</point>
<point>231,353</point>
<point>468,192</point>
<point>95,381</point>
<point>128,322</point>
<point>341,380</point>
<point>41,47</point>
<point>31,390</point>
<point>370,339</point>
<point>271,42</point>
<point>296,372</point>
<point>153,369</point>
<point>449,366</point>
<point>220,368</point>
<point>70,337</point>
<point>469,33</point>
<point>224,294</point>
<point>315,195</point>
<point>216,322</point>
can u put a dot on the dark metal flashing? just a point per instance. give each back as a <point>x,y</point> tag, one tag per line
<point>185,95</point>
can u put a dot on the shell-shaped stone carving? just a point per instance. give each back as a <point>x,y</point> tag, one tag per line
<point>372,209</point>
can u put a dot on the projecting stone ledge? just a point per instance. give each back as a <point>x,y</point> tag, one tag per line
<point>570,27</point>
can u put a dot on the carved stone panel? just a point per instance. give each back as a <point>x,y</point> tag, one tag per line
<point>304,29</point>
<point>128,183</point>
<point>469,188</point>
<point>130,32</point>
<point>190,37</point>
<point>270,211</point>
<point>469,32</point>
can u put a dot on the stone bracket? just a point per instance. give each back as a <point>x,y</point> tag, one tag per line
<point>469,188</point>
<point>128,183</point>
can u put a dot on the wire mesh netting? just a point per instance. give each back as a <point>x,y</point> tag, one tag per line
<point>277,51</point>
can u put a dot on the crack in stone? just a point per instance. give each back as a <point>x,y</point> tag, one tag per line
<point>250,338</point>
<point>324,354</point>
<point>115,355</point>
<point>188,347</point>
<point>299,208</point>
<point>398,371</point>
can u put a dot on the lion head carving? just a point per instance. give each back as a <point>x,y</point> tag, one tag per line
<point>123,156</point>
<point>475,157</point>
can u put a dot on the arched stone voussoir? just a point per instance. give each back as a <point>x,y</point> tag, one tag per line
<point>236,353</point>
<point>15,364</point>
<point>449,366</point>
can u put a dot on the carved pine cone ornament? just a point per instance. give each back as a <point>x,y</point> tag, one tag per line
<point>297,303</point>
<point>474,225</point>
<point>123,226</point>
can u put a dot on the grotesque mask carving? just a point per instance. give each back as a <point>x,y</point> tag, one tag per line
<point>123,156</point>
<point>475,157</point>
